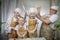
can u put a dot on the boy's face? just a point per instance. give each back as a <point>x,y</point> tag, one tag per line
<point>32,15</point>
<point>21,21</point>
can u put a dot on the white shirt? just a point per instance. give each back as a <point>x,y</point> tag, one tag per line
<point>17,27</point>
<point>53,19</point>
<point>7,26</point>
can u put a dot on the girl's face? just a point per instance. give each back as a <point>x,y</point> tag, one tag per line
<point>32,15</point>
<point>21,21</point>
<point>16,14</point>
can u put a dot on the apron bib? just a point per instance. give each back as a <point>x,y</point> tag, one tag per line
<point>21,31</point>
<point>46,31</point>
<point>14,23</point>
<point>32,24</point>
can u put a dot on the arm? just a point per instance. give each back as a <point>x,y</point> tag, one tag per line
<point>33,30</point>
<point>24,10</point>
<point>25,15</point>
<point>19,34</point>
<point>38,10</point>
<point>25,33</point>
<point>44,20</point>
<point>8,23</point>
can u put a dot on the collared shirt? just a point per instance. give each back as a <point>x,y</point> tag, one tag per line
<point>53,19</point>
<point>24,26</point>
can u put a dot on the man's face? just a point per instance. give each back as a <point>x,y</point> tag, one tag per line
<point>16,14</point>
<point>52,11</point>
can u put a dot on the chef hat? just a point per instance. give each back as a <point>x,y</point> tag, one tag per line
<point>54,7</point>
<point>18,10</point>
<point>32,10</point>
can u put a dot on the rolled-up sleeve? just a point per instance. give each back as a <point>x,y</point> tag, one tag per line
<point>53,18</point>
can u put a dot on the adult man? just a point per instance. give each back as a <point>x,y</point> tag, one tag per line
<point>48,22</point>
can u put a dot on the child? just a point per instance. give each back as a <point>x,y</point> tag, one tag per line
<point>32,23</point>
<point>21,28</point>
<point>12,22</point>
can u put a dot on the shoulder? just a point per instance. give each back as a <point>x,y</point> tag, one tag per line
<point>53,18</point>
<point>55,15</point>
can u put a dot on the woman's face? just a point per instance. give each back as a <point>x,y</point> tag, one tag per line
<point>32,15</point>
<point>21,21</point>
<point>16,14</point>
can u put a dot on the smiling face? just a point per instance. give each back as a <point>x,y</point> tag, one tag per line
<point>32,15</point>
<point>21,21</point>
<point>16,14</point>
<point>52,11</point>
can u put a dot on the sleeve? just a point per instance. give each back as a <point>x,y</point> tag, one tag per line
<point>27,20</point>
<point>25,28</point>
<point>36,20</point>
<point>43,14</point>
<point>16,28</point>
<point>8,22</point>
<point>53,18</point>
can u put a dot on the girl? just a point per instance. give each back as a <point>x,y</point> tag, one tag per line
<point>21,28</point>
<point>32,23</point>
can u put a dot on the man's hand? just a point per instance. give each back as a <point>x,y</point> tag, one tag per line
<point>38,10</point>
<point>38,16</point>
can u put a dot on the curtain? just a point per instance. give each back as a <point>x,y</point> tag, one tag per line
<point>8,7</point>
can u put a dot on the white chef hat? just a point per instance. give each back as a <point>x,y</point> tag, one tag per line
<point>54,7</point>
<point>18,10</point>
<point>32,10</point>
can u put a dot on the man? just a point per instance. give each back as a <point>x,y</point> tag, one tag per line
<point>12,22</point>
<point>48,22</point>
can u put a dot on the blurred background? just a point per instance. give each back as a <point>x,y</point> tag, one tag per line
<point>7,8</point>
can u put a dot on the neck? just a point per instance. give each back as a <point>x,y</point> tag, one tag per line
<point>21,24</point>
<point>51,14</point>
<point>32,18</point>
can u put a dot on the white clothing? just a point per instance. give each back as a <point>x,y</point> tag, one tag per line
<point>55,7</point>
<point>8,27</point>
<point>17,27</point>
<point>53,19</point>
